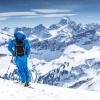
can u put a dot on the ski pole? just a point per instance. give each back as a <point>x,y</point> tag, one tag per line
<point>6,74</point>
<point>9,66</point>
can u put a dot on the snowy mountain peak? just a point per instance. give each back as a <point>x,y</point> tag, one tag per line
<point>64,21</point>
<point>40,26</point>
<point>53,27</point>
<point>66,18</point>
<point>41,31</point>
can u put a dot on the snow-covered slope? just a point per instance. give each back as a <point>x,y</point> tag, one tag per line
<point>75,68</point>
<point>68,57</point>
<point>12,91</point>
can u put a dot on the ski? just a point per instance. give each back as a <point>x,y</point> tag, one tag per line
<point>16,82</point>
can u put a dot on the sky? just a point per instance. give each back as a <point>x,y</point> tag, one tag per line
<point>30,13</point>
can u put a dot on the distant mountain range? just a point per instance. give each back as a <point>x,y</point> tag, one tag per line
<point>65,54</point>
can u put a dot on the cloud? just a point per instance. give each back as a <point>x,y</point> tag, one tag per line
<point>11,14</point>
<point>37,13</point>
<point>29,17</point>
<point>49,15</point>
<point>51,11</point>
<point>3,18</point>
<point>57,15</point>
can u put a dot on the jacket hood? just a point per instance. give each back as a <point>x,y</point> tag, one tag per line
<point>19,35</point>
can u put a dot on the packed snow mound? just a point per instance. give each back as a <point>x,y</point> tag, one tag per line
<point>12,91</point>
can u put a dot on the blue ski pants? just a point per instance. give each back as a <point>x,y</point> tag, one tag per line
<point>23,70</point>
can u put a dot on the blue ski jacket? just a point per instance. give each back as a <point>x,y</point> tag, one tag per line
<point>12,44</point>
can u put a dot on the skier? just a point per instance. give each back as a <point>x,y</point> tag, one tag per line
<point>20,50</point>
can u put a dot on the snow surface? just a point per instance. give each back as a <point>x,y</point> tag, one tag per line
<point>14,91</point>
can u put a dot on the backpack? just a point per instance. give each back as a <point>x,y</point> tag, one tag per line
<point>20,48</point>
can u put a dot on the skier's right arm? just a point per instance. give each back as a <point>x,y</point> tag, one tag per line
<point>11,46</point>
